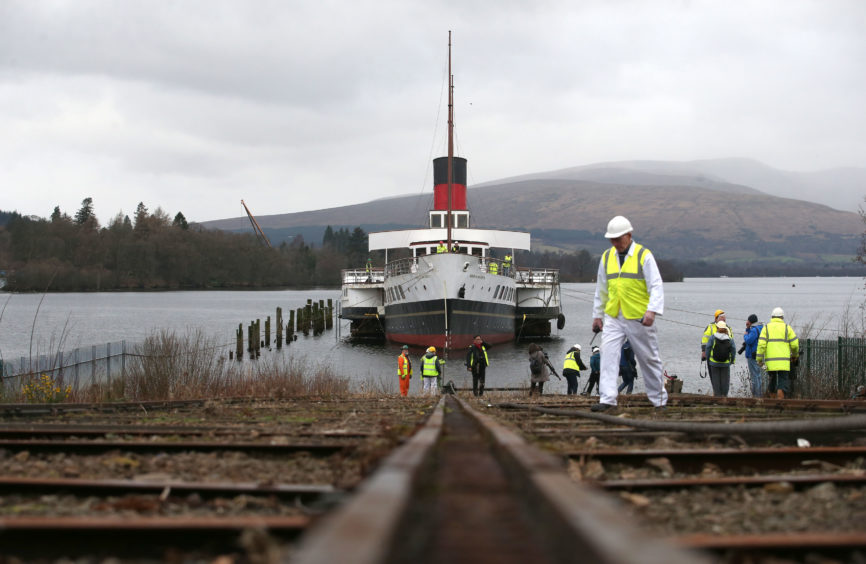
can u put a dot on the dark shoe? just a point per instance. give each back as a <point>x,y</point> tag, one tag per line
<point>661,408</point>
<point>602,407</point>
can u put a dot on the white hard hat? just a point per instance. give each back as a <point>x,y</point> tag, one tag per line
<point>778,312</point>
<point>617,227</point>
<point>577,347</point>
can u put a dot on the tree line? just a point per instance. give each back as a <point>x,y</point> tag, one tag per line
<point>153,251</point>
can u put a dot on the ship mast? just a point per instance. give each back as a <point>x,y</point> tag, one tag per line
<point>450,139</point>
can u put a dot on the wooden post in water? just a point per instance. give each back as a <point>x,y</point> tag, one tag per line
<point>268,332</point>
<point>279,337</point>
<point>316,317</point>
<point>251,347</point>
<point>308,316</point>
<point>239,346</point>
<point>258,343</point>
<point>329,317</point>
<point>290,327</point>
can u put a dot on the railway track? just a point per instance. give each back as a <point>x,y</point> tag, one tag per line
<point>747,480</point>
<point>184,481</point>
<point>480,481</point>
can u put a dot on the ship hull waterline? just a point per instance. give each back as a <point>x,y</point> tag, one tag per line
<point>425,323</point>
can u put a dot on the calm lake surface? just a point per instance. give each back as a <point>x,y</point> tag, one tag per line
<point>69,320</point>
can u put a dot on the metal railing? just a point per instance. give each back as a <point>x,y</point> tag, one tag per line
<point>78,367</point>
<point>831,368</point>
<point>537,275</point>
<point>363,276</point>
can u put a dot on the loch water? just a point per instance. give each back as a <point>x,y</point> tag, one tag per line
<point>33,324</point>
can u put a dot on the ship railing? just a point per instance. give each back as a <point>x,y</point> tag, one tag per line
<point>525,275</point>
<point>401,266</point>
<point>363,276</point>
<point>410,265</point>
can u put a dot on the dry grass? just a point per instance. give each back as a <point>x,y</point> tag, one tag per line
<point>173,367</point>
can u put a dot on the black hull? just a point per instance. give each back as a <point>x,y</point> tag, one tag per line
<point>424,323</point>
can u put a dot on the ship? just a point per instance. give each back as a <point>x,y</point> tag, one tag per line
<point>450,281</point>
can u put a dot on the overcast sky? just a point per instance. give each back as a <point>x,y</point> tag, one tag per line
<point>194,105</point>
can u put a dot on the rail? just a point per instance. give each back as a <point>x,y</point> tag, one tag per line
<point>529,276</point>
<point>363,276</point>
<point>467,489</point>
<point>491,265</point>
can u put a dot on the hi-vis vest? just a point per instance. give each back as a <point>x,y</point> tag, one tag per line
<point>494,268</point>
<point>404,367</point>
<point>570,362</point>
<point>429,366</point>
<point>472,356</point>
<point>626,287</point>
<point>507,261</point>
<point>441,248</point>
<point>776,345</point>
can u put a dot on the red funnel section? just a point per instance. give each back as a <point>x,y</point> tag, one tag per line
<point>458,184</point>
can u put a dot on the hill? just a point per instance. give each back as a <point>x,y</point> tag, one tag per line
<point>682,217</point>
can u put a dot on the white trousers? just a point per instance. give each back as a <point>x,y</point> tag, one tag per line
<point>429,385</point>
<point>644,342</point>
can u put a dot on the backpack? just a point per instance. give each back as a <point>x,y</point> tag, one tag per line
<point>721,350</point>
<point>535,365</point>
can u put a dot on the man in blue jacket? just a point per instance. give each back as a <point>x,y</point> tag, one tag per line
<point>750,347</point>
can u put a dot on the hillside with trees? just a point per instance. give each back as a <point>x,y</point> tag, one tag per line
<point>153,251</point>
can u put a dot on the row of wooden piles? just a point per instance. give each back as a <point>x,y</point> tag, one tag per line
<point>315,318</point>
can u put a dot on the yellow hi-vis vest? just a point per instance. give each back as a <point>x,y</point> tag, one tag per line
<point>626,287</point>
<point>711,329</point>
<point>404,367</point>
<point>776,345</point>
<point>441,248</point>
<point>570,362</point>
<point>429,366</point>
<point>506,261</point>
<point>472,356</point>
<point>494,268</point>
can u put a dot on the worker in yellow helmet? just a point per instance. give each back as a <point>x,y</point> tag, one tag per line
<point>711,329</point>
<point>432,370</point>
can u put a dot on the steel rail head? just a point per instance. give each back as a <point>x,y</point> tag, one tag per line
<point>589,523</point>
<point>824,424</point>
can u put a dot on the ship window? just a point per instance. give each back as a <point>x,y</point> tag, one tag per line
<point>463,221</point>
<point>402,295</point>
<point>435,220</point>
<point>496,293</point>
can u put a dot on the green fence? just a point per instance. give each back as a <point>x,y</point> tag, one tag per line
<point>830,369</point>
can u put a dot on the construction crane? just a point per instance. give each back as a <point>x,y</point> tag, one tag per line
<point>259,233</point>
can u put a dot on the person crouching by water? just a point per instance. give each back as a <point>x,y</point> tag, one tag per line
<point>571,369</point>
<point>538,369</point>
<point>477,363</point>
<point>404,370</point>
<point>432,369</point>
<point>721,353</point>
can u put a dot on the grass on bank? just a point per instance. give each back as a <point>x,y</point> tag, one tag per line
<point>168,366</point>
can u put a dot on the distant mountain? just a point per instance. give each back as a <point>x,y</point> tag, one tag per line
<point>681,213</point>
<point>840,188</point>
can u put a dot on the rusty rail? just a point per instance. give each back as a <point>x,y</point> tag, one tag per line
<point>466,468</point>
